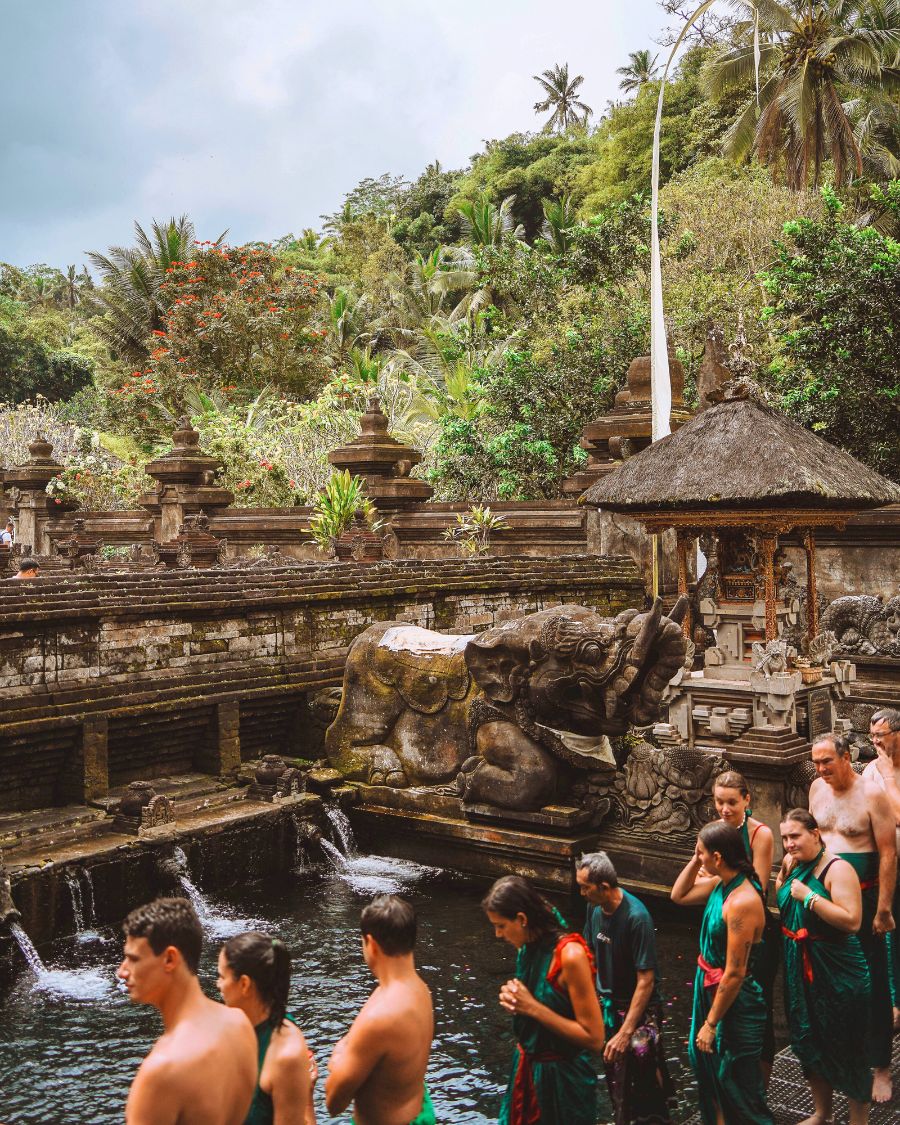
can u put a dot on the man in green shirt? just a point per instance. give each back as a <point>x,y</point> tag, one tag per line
<point>622,937</point>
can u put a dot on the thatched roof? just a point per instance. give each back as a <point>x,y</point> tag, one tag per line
<point>741,454</point>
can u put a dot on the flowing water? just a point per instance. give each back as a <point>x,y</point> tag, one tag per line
<point>216,923</point>
<point>68,1056</point>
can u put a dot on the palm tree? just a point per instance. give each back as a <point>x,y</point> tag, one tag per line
<point>567,109</point>
<point>814,55</point>
<point>559,216</point>
<point>641,69</point>
<point>131,276</point>
<point>486,224</point>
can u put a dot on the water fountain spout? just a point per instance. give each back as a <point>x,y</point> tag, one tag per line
<point>8,911</point>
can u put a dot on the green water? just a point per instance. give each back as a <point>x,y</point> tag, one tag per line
<point>71,1045</point>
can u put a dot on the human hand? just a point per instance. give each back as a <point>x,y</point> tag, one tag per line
<point>883,922</point>
<point>516,998</point>
<point>706,1039</point>
<point>799,890</point>
<point>884,763</point>
<point>616,1046</point>
<point>313,1067</point>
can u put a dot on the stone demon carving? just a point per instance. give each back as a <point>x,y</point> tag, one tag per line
<point>506,715</point>
<point>864,625</point>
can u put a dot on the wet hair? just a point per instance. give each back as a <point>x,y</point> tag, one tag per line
<point>731,779</point>
<point>802,816</point>
<point>838,741</point>
<point>514,895</point>
<point>729,843</point>
<point>887,715</point>
<point>165,922</point>
<point>599,868</point>
<point>266,961</point>
<point>391,921</point>
<point>28,564</point>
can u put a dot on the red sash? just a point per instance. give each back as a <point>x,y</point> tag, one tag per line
<point>525,1108</point>
<point>868,884</point>
<point>802,936</point>
<point>712,977</point>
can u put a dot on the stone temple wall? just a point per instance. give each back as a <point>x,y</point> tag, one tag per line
<point>110,677</point>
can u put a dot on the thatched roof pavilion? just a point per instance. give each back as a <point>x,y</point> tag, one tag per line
<point>742,464</point>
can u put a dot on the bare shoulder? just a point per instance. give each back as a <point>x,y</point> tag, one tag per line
<point>762,831</point>
<point>573,953</point>
<point>817,788</point>
<point>289,1044</point>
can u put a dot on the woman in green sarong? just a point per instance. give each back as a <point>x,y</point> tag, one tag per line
<point>556,1014</point>
<point>729,1016</point>
<point>826,978</point>
<point>255,976</point>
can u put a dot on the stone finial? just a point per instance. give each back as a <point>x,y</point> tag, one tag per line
<point>40,450</point>
<point>382,461</point>
<point>714,372</point>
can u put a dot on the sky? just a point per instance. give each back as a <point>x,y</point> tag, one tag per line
<point>260,115</point>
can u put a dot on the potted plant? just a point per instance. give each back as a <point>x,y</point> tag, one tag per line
<point>334,510</point>
<point>473,529</point>
<point>60,495</point>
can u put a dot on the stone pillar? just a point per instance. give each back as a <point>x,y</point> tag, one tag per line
<point>221,756</point>
<point>32,506</point>
<point>683,541</point>
<point>184,484</point>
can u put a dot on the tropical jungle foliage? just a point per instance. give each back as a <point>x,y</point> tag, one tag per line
<point>495,308</point>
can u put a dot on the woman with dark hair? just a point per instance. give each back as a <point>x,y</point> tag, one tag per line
<point>556,1013</point>
<point>826,976</point>
<point>729,1016</point>
<point>255,975</point>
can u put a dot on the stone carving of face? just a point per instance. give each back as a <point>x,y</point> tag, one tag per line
<point>569,664</point>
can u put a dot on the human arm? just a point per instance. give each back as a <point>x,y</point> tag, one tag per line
<point>691,888</point>
<point>352,1061</point>
<point>884,766</point>
<point>786,864</point>
<point>763,849</point>
<point>586,1029</point>
<point>619,1043</point>
<point>292,1086</point>
<point>744,920</point>
<point>885,833</point>
<point>844,912</point>
<point>155,1095</point>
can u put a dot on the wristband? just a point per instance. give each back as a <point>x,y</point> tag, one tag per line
<point>810,898</point>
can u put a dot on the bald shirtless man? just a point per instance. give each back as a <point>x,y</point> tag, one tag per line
<point>202,1069</point>
<point>380,1063</point>
<point>857,823</point>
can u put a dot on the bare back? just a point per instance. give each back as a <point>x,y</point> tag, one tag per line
<point>200,1072</point>
<point>844,818</point>
<point>400,1017</point>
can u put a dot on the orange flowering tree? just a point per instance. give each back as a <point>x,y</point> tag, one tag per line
<point>237,321</point>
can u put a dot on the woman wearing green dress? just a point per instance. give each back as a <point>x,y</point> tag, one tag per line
<point>729,1016</point>
<point>826,977</point>
<point>255,975</point>
<point>556,1014</point>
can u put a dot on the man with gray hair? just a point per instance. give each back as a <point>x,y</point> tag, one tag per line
<point>883,774</point>
<point>621,935</point>
<point>858,824</point>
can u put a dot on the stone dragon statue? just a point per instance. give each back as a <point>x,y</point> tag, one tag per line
<point>506,717</point>
<point>864,625</point>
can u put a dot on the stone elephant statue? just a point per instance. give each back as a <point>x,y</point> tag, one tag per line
<point>507,715</point>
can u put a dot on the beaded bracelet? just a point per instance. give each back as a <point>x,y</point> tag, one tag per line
<point>809,900</point>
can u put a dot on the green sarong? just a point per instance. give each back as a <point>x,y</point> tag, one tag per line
<point>426,1114</point>
<point>875,950</point>
<point>767,956</point>
<point>826,992</point>
<point>729,1078</point>
<point>552,1080</point>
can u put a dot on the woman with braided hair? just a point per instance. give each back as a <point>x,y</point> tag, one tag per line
<point>556,1014</point>
<point>729,1017</point>
<point>255,975</point>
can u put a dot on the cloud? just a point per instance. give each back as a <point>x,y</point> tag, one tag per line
<point>260,116</point>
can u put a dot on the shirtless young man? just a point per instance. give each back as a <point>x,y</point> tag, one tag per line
<point>857,824</point>
<point>884,775</point>
<point>202,1069</point>
<point>380,1063</point>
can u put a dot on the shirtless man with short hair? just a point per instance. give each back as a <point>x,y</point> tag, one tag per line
<point>380,1063</point>
<point>858,824</point>
<point>202,1069</point>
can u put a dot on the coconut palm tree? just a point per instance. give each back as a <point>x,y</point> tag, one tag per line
<point>559,216</point>
<point>486,224</point>
<point>560,90</point>
<point>130,296</point>
<point>641,69</point>
<point>814,56</point>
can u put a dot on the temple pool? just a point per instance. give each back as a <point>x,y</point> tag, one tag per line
<point>70,1041</point>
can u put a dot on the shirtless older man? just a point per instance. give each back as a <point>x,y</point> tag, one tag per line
<point>202,1069</point>
<point>857,823</point>
<point>380,1063</point>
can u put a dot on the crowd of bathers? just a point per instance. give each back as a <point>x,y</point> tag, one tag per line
<point>579,1001</point>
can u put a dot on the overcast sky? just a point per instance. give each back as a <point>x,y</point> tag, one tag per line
<point>259,115</point>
